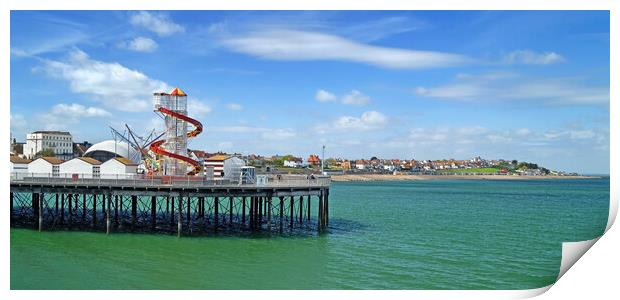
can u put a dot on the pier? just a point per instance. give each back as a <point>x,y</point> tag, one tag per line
<point>173,205</point>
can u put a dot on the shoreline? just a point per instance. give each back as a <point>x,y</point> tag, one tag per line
<point>388,177</point>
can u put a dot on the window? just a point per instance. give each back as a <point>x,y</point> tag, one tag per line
<point>96,172</point>
<point>55,171</point>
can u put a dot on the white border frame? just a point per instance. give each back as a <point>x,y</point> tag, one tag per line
<point>598,270</point>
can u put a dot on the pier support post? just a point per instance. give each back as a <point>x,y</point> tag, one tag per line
<point>116,211</point>
<point>231,203</point>
<point>301,210</point>
<point>134,211</point>
<point>40,198</point>
<point>153,212</point>
<point>260,212</point>
<point>188,215</point>
<point>83,209</point>
<point>252,212</point>
<point>269,213</point>
<point>242,210</point>
<point>56,207</point>
<point>292,211</point>
<point>281,213</point>
<point>320,214</point>
<point>216,205</point>
<point>180,221</point>
<point>171,211</point>
<point>309,200</point>
<point>94,223</point>
<point>11,208</point>
<point>107,213</point>
<point>62,209</point>
<point>327,208</point>
<point>70,202</point>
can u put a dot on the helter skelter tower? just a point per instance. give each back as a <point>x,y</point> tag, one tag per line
<point>173,148</point>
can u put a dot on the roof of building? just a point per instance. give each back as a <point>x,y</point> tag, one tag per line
<point>125,161</point>
<point>52,132</point>
<point>52,160</point>
<point>177,92</point>
<point>90,160</point>
<point>119,148</point>
<point>199,153</point>
<point>18,160</point>
<point>218,157</point>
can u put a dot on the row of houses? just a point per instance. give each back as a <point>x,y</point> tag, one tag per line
<point>83,167</point>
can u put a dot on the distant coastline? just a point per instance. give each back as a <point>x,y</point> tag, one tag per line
<point>389,177</point>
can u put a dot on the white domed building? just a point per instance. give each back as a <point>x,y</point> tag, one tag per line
<point>106,150</point>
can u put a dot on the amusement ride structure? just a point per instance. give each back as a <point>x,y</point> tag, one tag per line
<point>172,149</point>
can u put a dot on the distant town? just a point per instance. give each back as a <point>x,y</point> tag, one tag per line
<point>60,145</point>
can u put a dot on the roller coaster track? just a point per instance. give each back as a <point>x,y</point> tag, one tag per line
<point>155,146</point>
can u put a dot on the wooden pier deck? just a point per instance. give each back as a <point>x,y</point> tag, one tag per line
<point>184,207</point>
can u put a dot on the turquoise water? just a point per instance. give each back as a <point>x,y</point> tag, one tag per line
<point>436,234</point>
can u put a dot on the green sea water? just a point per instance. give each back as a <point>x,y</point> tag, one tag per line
<point>435,234</point>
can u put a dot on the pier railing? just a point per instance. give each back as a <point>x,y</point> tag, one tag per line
<point>139,180</point>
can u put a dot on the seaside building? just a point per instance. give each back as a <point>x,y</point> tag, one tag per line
<point>19,165</point>
<point>314,160</point>
<point>85,167</point>
<point>106,150</point>
<point>217,163</point>
<point>294,162</point>
<point>45,166</point>
<point>60,142</point>
<point>118,167</point>
<point>79,149</point>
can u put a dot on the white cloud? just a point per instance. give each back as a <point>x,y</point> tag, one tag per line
<point>367,121</point>
<point>158,23</point>
<point>110,83</point>
<point>65,116</point>
<point>139,44</point>
<point>305,45</point>
<point>549,91</point>
<point>324,96</point>
<point>78,110</point>
<point>197,108</point>
<point>355,97</point>
<point>533,58</point>
<point>234,106</point>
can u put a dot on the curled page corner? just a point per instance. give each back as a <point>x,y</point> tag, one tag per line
<point>571,252</point>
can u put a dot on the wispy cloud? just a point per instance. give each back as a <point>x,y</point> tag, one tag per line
<point>533,58</point>
<point>234,106</point>
<point>197,108</point>
<point>324,96</point>
<point>64,116</point>
<point>110,83</point>
<point>548,91</point>
<point>369,120</point>
<point>139,44</point>
<point>354,97</point>
<point>159,23</point>
<point>297,45</point>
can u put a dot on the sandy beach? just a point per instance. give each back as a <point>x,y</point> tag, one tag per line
<point>389,177</point>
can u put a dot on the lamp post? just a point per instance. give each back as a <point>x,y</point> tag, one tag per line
<point>322,159</point>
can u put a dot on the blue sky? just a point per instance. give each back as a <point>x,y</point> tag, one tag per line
<point>526,85</point>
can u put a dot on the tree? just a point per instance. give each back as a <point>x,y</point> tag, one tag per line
<point>514,162</point>
<point>45,153</point>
